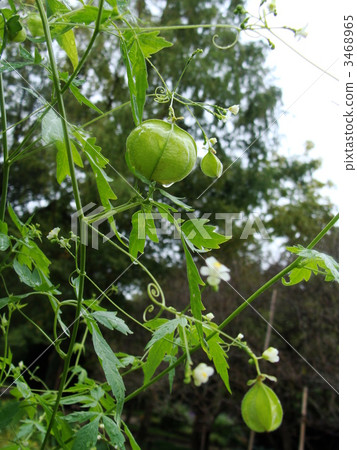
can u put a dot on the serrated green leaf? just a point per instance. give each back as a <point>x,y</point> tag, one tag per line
<point>80,416</point>
<point>79,399</point>
<point>110,365</point>
<point>312,261</point>
<point>151,43</point>
<point>68,43</point>
<point>82,99</point>
<point>8,412</point>
<point>4,242</point>
<point>135,63</point>
<point>150,229</point>
<point>156,354</point>
<point>137,236</point>
<point>218,356</point>
<point>29,60</point>
<point>171,359</point>
<point>3,227</point>
<point>98,163</point>
<point>87,14</point>
<point>165,329</point>
<point>178,201</point>
<point>114,432</point>
<point>296,276</point>
<point>194,281</point>
<point>16,221</point>
<point>133,443</point>
<point>116,384</point>
<point>24,389</point>
<point>154,324</point>
<point>103,350</point>
<point>109,320</point>
<point>62,160</point>
<point>30,254</point>
<point>51,127</point>
<point>86,437</point>
<point>27,277</point>
<point>54,6</point>
<point>202,236</point>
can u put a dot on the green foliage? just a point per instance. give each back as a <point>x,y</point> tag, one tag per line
<point>194,281</point>
<point>312,262</point>
<point>86,437</point>
<point>202,236</point>
<point>218,355</point>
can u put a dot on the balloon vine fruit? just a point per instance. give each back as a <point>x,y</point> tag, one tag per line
<point>34,24</point>
<point>261,408</point>
<point>160,151</point>
<point>211,165</point>
<point>20,36</point>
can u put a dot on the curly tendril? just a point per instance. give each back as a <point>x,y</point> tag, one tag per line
<point>155,292</point>
<point>161,95</point>
<point>148,309</point>
<point>225,47</point>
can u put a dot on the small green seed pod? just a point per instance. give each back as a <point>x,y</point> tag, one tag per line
<point>211,165</point>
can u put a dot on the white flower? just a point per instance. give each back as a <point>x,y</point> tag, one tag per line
<point>64,243</point>
<point>213,141</point>
<point>271,355</point>
<point>240,336</point>
<point>209,316</point>
<point>53,234</point>
<point>215,271</point>
<point>234,109</point>
<point>202,373</point>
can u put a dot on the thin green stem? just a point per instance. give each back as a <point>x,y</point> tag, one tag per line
<point>237,311</point>
<point>277,277</point>
<point>6,166</point>
<point>6,347</point>
<point>35,325</point>
<point>89,47</point>
<point>82,251</point>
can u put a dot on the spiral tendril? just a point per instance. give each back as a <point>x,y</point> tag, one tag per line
<point>155,292</point>
<point>148,309</point>
<point>224,47</point>
<point>161,95</point>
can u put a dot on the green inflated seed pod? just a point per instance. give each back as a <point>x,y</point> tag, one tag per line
<point>211,165</point>
<point>161,151</point>
<point>261,408</point>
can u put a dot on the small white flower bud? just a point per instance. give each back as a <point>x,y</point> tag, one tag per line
<point>53,234</point>
<point>234,109</point>
<point>271,355</point>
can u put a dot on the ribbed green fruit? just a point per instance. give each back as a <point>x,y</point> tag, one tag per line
<point>20,36</point>
<point>161,151</point>
<point>261,408</point>
<point>34,24</point>
<point>211,165</point>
